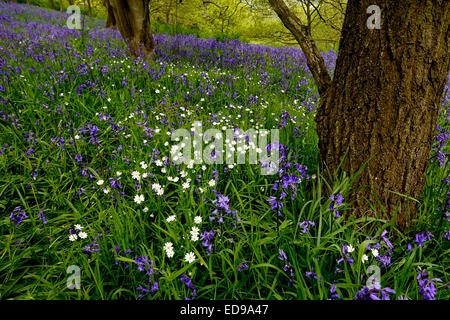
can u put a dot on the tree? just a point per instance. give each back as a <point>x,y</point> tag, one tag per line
<point>111,19</point>
<point>323,18</point>
<point>89,8</point>
<point>223,12</point>
<point>133,20</point>
<point>382,105</point>
<point>52,5</point>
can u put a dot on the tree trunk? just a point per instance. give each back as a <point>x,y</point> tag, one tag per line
<point>60,5</point>
<point>168,10</point>
<point>52,4</point>
<point>314,60</point>
<point>383,102</point>
<point>89,8</point>
<point>111,20</point>
<point>133,21</point>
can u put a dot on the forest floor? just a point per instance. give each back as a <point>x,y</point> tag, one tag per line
<point>89,179</point>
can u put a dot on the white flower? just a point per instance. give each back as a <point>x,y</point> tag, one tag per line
<point>100,182</point>
<point>144,175</point>
<point>157,91</point>
<point>143,165</point>
<point>139,198</point>
<point>185,185</point>
<point>168,246</point>
<point>194,237</point>
<point>159,163</point>
<point>82,235</point>
<point>374,252</point>
<point>145,209</point>
<point>105,190</point>
<point>212,183</point>
<point>170,253</point>
<point>73,237</point>
<point>78,227</point>
<point>77,137</point>
<point>195,230</point>
<point>160,192</point>
<point>364,258</point>
<point>136,175</point>
<point>350,249</point>
<point>170,218</point>
<point>198,220</point>
<point>118,173</point>
<point>189,257</point>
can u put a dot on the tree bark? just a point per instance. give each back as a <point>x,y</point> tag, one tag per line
<point>133,21</point>
<point>89,8</point>
<point>315,62</point>
<point>168,11</point>
<point>52,4</point>
<point>111,20</point>
<point>383,103</point>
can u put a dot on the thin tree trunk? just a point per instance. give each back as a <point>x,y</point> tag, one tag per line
<point>52,4</point>
<point>133,21</point>
<point>168,10</point>
<point>314,60</point>
<point>89,8</point>
<point>383,102</point>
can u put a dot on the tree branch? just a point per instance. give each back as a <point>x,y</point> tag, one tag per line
<point>314,60</point>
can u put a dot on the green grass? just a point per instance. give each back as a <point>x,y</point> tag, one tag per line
<point>35,267</point>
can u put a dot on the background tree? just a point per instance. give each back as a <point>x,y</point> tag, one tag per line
<point>222,11</point>
<point>383,102</point>
<point>89,8</point>
<point>323,18</point>
<point>133,22</point>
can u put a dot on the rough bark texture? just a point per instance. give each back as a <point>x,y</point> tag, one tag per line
<point>133,21</point>
<point>383,102</point>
